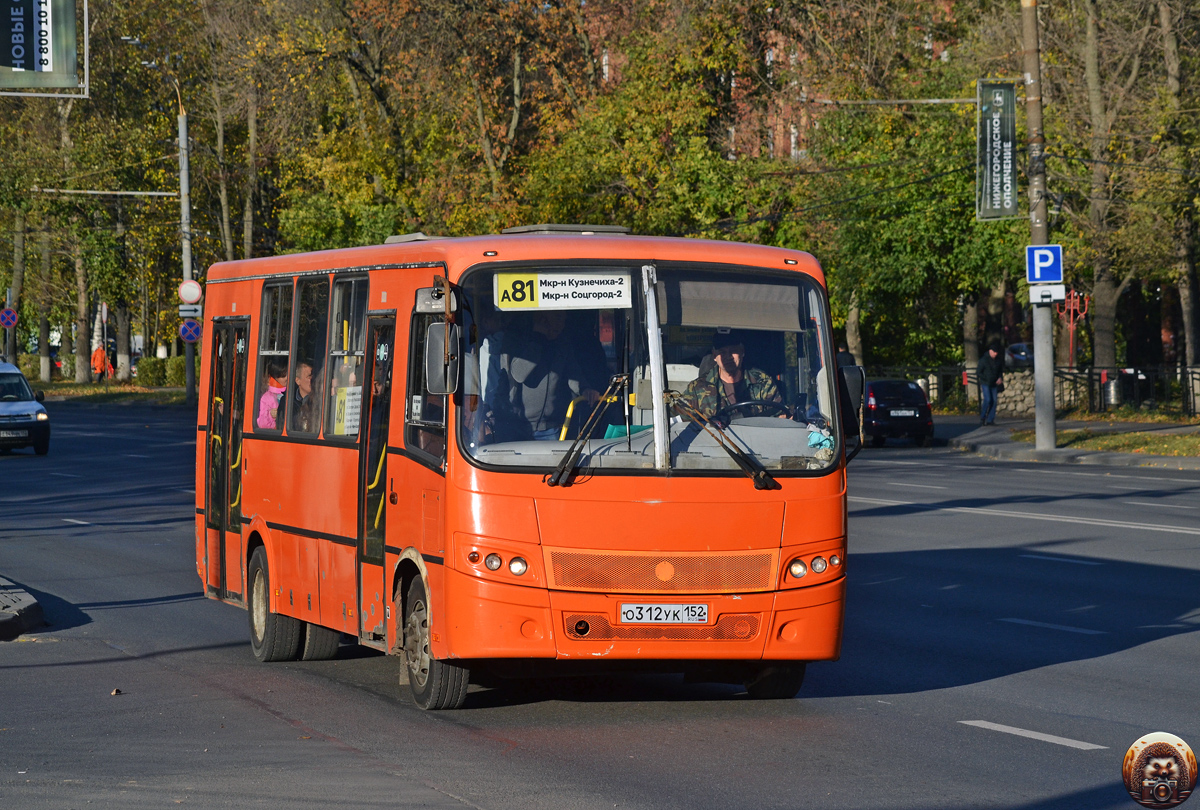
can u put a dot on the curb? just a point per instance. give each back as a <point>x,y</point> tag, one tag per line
<point>19,612</point>
<point>996,443</point>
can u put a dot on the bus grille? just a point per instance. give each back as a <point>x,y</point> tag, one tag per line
<point>732,627</point>
<point>638,572</point>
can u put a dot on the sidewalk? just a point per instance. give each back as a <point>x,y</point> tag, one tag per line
<point>996,441</point>
<point>19,612</point>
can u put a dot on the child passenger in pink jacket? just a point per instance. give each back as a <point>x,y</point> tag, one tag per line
<point>270,405</point>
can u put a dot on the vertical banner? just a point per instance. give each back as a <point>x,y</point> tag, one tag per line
<point>37,44</point>
<point>996,170</point>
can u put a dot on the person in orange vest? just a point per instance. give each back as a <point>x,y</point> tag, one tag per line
<point>100,364</point>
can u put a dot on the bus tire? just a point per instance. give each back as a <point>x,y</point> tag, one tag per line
<point>319,643</point>
<point>272,637</point>
<point>776,681</point>
<point>434,684</point>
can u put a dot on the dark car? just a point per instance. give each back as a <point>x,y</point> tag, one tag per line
<point>896,408</point>
<point>23,420</point>
<point>1019,355</point>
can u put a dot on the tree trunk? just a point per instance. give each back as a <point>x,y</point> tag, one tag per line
<point>994,327</point>
<point>251,177</point>
<point>1191,330</point>
<point>971,342</point>
<point>123,371</point>
<point>854,330</point>
<point>226,222</point>
<point>44,305</point>
<point>361,112</point>
<point>18,278</point>
<point>83,368</point>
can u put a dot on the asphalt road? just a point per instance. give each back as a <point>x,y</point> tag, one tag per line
<point>1011,629</point>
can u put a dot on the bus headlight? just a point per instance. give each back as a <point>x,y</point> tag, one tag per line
<point>797,568</point>
<point>493,562</point>
<point>818,564</point>
<point>517,566</point>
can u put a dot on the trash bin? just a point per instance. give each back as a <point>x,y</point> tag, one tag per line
<point>1112,394</point>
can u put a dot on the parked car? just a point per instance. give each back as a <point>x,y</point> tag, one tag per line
<point>896,408</point>
<point>1019,355</point>
<point>23,420</point>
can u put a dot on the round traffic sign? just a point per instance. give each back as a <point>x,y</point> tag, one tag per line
<point>190,292</point>
<point>189,330</point>
<point>8,318</point>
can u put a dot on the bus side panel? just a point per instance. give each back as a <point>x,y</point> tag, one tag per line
<point>339,585</point>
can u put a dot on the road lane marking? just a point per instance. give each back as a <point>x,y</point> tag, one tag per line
<point>1034,735</point>
<point>979,510</point>
<point>77,522</point>
<point>1122,486</point>
<point>907,463</point>
<point>1142,503</point>
<point>918,486</point>
<point>881,581</point>
<point>1065,628</point>
<point>66,475</point>
<point>1108,475</point>
<point>135,455</point>
<point>1060,559</point>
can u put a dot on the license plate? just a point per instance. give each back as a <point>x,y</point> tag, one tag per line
<point>664,614</point>
<point>14,434</point>
<point>905,412</point>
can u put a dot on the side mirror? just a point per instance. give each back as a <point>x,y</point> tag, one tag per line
<point>433,301</point>
<point>852,381</point>
<point>40,396</point>
<point>441,358</point>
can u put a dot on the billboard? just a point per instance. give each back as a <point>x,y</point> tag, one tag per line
<point>37,44</point>
<point>996,170</point>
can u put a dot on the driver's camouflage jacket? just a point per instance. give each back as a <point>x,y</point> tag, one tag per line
<point>705,392</point>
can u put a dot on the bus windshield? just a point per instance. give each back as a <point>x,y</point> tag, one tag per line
<point>743,360</point>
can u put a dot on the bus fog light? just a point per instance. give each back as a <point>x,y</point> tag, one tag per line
<point>493,562</point>
<point>518,566</point>
<point>473,557</point>
<point>819,565</point>
<point>797,568</point>
<point>835,560</point>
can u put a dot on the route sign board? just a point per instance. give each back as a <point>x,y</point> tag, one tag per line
<point>189,330</point>
<point>190,310</point>
<point>1044,264</point>
<point>8,318</point>
<point>190,292</point>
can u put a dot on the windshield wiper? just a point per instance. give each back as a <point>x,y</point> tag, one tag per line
<point>561,477</point>
<point>748,464</point>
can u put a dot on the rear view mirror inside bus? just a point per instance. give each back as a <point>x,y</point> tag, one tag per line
<point>432,301</point>
<point>441,358</point>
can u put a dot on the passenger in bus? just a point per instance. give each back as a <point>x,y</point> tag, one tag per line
<point>270,405</point>
<point>304,404</point>
<point>543,374</point>
<point>729,381</point>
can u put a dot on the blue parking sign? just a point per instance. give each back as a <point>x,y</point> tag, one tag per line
<point>1044,264</point>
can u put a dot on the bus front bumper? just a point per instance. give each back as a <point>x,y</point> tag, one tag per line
<point>488,620</point>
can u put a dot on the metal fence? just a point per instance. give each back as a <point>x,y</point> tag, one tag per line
<point>1097,390</point>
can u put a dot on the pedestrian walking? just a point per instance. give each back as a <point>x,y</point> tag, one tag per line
<point>990,373</point>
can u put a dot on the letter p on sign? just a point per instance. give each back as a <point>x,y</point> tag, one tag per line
<point>1044,264</point>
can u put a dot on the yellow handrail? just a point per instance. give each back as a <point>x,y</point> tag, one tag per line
<point>379,471</point>
<point>562,434</point>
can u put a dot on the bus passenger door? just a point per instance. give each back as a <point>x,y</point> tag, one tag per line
<point>223,490</point>
<point>374,483</point>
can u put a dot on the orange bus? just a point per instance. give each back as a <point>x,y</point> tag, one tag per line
<point>552,450</point>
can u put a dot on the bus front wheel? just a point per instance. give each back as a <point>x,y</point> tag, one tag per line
<point>272,637</point>
<point>434,684</point>
<point>776,681</point>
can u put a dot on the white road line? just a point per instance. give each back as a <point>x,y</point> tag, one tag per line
<point>889,463</point>
<point>918,486</point>
<point>1065,628</point>
<point>1107,475</point>
<point>188,491</point>
<point>881,581</point>
<point>66,475</point>
<point>135,455</point>
<point>1142,503</point>
<point>77,522</point>
<point>979,510</point>
<point>1034,735</point>
<point>1060,559</point>
<point>1122,486</point>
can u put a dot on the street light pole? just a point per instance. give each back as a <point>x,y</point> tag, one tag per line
<point>185,229</point>
<point>1039,232</point>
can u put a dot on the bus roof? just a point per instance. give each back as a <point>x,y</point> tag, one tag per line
<point>459,253</point>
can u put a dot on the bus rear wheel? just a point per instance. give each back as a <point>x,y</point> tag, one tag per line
<point>319,643</point>
<point>272,637</point>
<point>434,684</point>
<point>776,681</point>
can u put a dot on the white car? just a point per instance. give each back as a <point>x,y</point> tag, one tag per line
<point>23,420</point>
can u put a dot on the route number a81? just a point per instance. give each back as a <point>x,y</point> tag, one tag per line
<point>516,290</point>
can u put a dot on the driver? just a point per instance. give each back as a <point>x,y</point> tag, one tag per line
<point>729,381</point>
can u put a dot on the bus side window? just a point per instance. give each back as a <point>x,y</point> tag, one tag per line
<point>304,398</point>
<point>275,335</point>
<point>345,365</point>
<point>425,413</point>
